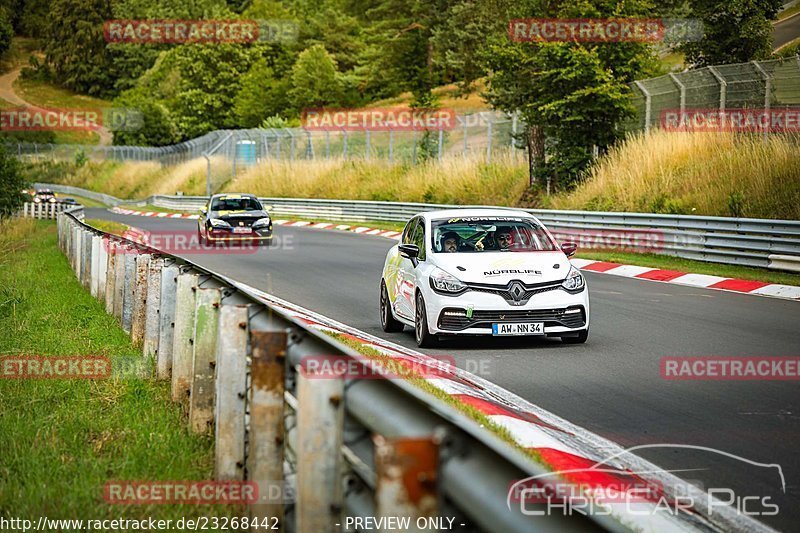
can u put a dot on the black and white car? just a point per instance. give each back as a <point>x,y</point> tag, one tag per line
<point>234,218</point>
<point>482,272</point>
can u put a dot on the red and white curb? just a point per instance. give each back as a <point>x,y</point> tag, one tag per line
<point>692,280</point>
<point>704,281</point>
<point>157,214</point>
<point>561,445</point>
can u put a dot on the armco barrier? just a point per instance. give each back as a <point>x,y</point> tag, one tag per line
<point>242,360</point>
<point>325,450</point>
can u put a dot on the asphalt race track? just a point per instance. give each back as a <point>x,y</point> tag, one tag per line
<point>612,385</point>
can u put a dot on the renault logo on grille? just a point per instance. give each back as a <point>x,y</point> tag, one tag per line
<point>516,290</point>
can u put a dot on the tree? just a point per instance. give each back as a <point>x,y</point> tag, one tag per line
<point>735,31</point>
<point>261,96</point>
<point>315,80</point>
<point>11,185</point>
<point>571,96</point>
<point>157,126</point>
<point>6,32</point>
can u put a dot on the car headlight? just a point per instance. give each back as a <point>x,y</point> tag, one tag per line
<point>574,281</point>
<point>261,222</point>
<point>219,223</point>
<point>446,282</point>
<point>52,200</point>
<point>37,200</point>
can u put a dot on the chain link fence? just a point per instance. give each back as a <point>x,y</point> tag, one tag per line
<point>756,85</point>
<point>765,85</point>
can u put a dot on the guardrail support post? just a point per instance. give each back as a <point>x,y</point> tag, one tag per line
<point>231,390</point>
<point>102,269</point>
<point>86,259</point>
<point>127,289</point>
<point>320,432</point>
<point>75,258</point>
<point>206,323</point>
<point>266,452</point>
<point>139,307</point>
<point>185,298</point>
<point>111,275</point>
<point>406,473</point>
<point>152,308</point>
<point>166,317</point>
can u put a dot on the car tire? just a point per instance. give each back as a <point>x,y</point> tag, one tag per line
<point>200,240</point>
<point>388,322</point>
<point>580,338</point>
<point>422,335</point>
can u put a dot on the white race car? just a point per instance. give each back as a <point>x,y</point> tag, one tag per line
<point>482,272</point>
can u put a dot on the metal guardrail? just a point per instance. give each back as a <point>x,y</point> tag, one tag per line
<point>740,241</point>
<point>765,243</point>
<point>46,210</point>
<point>234,359</point>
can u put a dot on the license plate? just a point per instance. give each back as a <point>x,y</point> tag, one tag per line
<point>243,230</point>
<point>525,328</point>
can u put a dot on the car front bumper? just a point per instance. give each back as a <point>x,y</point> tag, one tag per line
<point>473,313</point>
<point>228,236</point>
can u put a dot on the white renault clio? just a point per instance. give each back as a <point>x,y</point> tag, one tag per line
<point>482,272</point>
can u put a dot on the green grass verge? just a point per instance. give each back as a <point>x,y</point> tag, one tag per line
<point>790,12</point>
<point>695,267</point>
<point>85,202</point>
<point>109,226</point>
<point>156,209</point>
<point>62,440</point>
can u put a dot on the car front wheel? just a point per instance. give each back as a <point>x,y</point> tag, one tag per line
<point>421,332</point>
<point>388,322</point>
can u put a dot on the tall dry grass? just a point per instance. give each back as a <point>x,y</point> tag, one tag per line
<point>455,180</point>
<point>721,174</point>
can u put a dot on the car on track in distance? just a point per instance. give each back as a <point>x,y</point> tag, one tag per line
<point>234,218</point>
<point>482,272</point>
<point>44,196</point>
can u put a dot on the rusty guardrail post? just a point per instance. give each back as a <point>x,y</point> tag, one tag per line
<point>230,394</point>
<point>111,275</point>
<point>266,444</point>
<point>406,473</point>
<point>185,297</point>
<point>139,308</point>
<point>152,308</point>
<point>121,253</point>
<point>320,429</point>
<point>206,325</point>
<point>166,317</point>
<point>127,289</point>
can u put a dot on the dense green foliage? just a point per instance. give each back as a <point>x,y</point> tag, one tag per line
<point>11,185</point>
<point>572,97</point>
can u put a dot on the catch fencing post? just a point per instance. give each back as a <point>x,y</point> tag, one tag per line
<point>320,433</point>
<point>682,89</point>
<point>166,317</point>
<point>406,474</point>
<point>441,143</point>
<point>723,91</point>
<point>185,297</point>
<point>266,451</point>
<point>489,127</point>
<point>231,391</point>
<point>367,146</point>
<point>139,307</point>
<point>391,146</point>
<point>206,324</point>
<point>153,308</point>
<point>648,102</point>
<point>767,92</point>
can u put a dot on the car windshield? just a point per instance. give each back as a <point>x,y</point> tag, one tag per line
<point>235,204</point>
<point>489,234</point>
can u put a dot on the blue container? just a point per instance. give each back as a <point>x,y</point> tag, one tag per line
<point>246,153</point>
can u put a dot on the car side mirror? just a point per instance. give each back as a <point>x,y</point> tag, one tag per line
<point>203,210</point>
<point>409,251</point>
<point>569,248</point>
